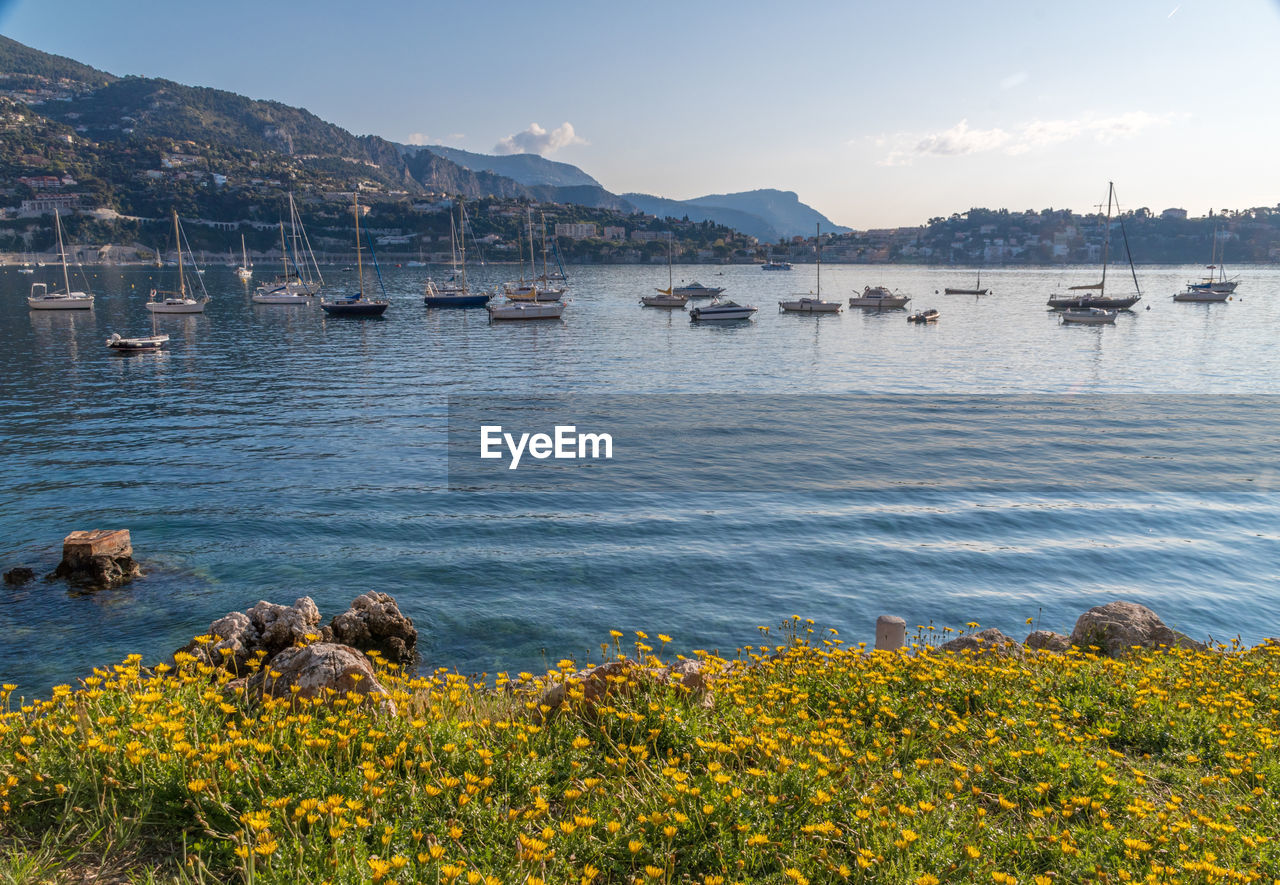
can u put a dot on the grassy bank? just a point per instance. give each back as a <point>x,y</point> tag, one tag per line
<point>816,763</point>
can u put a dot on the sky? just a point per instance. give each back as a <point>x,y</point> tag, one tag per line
<point>878,114</point>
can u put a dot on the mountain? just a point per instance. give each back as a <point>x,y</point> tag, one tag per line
<point>768,215</point>
<point>21,60</point>
<point>527,169</point>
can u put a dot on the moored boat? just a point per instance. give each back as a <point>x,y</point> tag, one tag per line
<point>141,344</point>
<point>179,302</point>
<point>42,299</point>
<point>455,292</point>
<point>776,265</point>
<point>879,298</point>
<point>1095,294</point>
<point>722,310</point>
<point>812,303</point>
<point>526,310</point>
<point>697,290</point>
<point>1089,316</point>
<point>976,290</point>
<point>356,304</point>
<point>1198,295</point>
<point>924,316</point>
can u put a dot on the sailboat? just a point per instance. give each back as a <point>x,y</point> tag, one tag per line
<point>667,297</point>
<point>301,275</point>
<point>814,303</point>
<point>976,290</point>
<point>284,289</point>
<point>533,291</point>
<point>455,293</point>
<point>357,305</point>
<point>42,299</point>
<point>1100,300</point>
<point>1212,288</point>
<point>244,271</point>
<point>179,301</point>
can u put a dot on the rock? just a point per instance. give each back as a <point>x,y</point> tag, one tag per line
<point>19,575</point>
<point>374,623</point>
<point>99,559</point>
<point>1116,627</point>
<point>268,628</point>
<point>619,677</point>
<point>1047,640</point>
<point>322,670</point>
<point>988,640</point>
<point>891,633</point>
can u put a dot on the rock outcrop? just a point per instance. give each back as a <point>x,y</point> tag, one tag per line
<point>617,677</point>
<point>324,670</point>
<point>374,623</point>
<point>988,640</point>
<point>97,559</point>
<point>1047,640</point>
<point>1116,627</point>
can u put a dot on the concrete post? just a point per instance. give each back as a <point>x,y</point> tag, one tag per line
<point>891,633</point>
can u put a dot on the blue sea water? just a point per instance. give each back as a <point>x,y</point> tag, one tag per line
<point>274,452</point>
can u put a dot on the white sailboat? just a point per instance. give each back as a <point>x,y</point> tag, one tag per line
<point>244,271</point>
<point>668,297</point>
<point>179,301</point>
<point>283,290</point>
<point>1215,287</point>
<point>812,303</point>
<point>533,290</point>
<point>42,299</point>
<point>301,275</point>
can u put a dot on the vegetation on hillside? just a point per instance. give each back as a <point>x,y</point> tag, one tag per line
<point>810,761</point>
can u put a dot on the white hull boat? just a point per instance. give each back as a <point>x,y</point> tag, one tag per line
<point>176,305</point>
<point>722,310</point>
<point>1089,316</point>
<point>281,295</point>
<point>180,301</point>
<point>879,298</point>
<point>42,299</point>
<point>533,293</point>
<point>665,299</point>
<point>526,310</point>
<point>809,304</point>
<point>1203,296</point>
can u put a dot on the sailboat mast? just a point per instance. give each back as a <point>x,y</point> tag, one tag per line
<point>244,255</point>
<point>532,267</point>
<point>359,261</point>
<point>1106,239</point>
<point>545,276</point>
<point>817,237</point>
<point>462,238</point>
<point>62,251</point>
<point>177,236</point>
<point>671,286</point>
<point>284,252</point>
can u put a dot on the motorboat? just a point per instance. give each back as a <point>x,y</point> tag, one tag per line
<point>879,298</point>
<point>924,316</point>
<point>1089,316</point>
<point>149,343</point>
<point>42,299</point>
<point>722,310</point>
<point>776,265</point>
<point>697,290</point>
<point>525,310</point>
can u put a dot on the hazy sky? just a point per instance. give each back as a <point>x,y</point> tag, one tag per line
<point>877,114</point>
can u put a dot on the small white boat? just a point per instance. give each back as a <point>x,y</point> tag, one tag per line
<point>137,345</point>
<point>1089,316</point>
<point>1198,295</point>
<point>525,310</point>
<point>697,290</point>
<point>722,310</point>
<point>26,270</point>
<point>879,298</point>
<point>42,299</point>
<point>776,265</point>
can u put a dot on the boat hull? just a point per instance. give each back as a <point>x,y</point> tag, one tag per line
<point>279,298</point>
<point>879,303</point>
<point>455,300</point>
<point>526,310</point>
<point>1065,302</point>
<point>1093,317</point>
<point>667,301</point>
<point>712,314</point>
<point>187,306</point>
<point>928,316</point>
<point>810,305</point>
<point>966,291</point>
<point>137,345</point>
<point>359,308</point>
<point>64,303</point>
<point>1202,296</point>
<point>698,291</point>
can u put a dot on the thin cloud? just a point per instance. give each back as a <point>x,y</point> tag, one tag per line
<point>1014,80</point>
<point>536,140</point>
<point>960,140</point>
<point>421,138</point>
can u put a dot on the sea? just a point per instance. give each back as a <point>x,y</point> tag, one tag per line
<point>273,452</point>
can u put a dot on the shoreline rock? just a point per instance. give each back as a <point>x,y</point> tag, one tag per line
<point>98,559</point>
